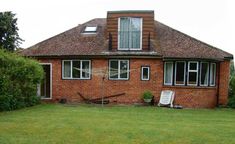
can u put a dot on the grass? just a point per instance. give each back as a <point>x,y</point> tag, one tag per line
<point>83,124</point>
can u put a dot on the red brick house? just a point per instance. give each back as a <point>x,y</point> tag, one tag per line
<point>130,52</point>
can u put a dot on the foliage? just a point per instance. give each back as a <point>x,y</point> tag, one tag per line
<point>83,124</point>
<point>147,95</point>
<point>9,37</point>
<point>231,102</point>
<point>18,81</point>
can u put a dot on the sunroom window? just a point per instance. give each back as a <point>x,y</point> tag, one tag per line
<point>212,74</point>
<point>119,69</point>
<point>204,73</point>
<point>130,33</point>
<point>192,73</point>
<point>76,69</point>
<point>196,73</point>
<point>180,73</point>
<point>168,73</point>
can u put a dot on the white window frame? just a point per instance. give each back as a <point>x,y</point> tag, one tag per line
<point>141,31</point>
<point>192,71</point>
<point>119,62</point>
<point>176,71</point>
<point>201,74</point>
<point>90,31</point>
<point>71,69</point>
<point>142,72</point>
<point>171,73</point>
<point>214,78</point>
<point>50,64</point>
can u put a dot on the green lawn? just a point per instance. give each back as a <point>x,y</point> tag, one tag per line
<point>82,124</point>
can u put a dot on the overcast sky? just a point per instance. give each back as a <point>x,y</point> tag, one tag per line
<point>211,21</point>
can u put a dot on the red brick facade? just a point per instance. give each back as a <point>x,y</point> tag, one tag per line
<point>196,97</point>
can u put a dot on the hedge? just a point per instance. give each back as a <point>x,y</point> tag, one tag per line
<point>19,77</point>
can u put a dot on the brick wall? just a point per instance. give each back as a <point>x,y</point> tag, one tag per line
<point>224,82</point>
<point>197,97</point>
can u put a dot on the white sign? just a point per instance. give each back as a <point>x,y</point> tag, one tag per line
<point>166,98</point>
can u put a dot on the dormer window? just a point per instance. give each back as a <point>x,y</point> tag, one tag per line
<point>130,33</point>
<point>90,30</point>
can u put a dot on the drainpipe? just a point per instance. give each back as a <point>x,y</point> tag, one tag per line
<point>218,86</point>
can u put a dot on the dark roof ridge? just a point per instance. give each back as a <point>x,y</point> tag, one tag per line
<point>186,35</point>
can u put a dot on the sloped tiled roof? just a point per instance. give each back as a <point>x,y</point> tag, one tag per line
<point>169,43</point>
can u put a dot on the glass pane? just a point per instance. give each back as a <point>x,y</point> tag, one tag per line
<point>180,73</point>
<point>204,74</point>
<point>192,78</point>
<point>192,66</point>
<point>212,74</point>
<point>135,32</point>
<point>145,73</point>
<point>113,69</point>
<point>67,69</point>
<point>85,69</point>
<point>168,73</point>
<point>124,33</point>
<point>76,69</point>
<point>123,69</point>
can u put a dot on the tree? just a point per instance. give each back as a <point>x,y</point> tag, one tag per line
<point>9,37</point>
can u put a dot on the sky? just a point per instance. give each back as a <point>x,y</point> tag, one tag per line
<point>211,21</point>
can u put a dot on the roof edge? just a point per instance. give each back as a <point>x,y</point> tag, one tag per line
<point>130,11</point>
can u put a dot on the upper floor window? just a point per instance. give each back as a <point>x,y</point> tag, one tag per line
<point>76,69</point>
<point>130,33</point>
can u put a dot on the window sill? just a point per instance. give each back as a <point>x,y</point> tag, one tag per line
<point>190,87</point>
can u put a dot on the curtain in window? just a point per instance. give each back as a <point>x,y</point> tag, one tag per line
<point>135,32</point>
<point>204,74</point>
<point>85,69</point>
<point>124,33</point>
<point>168,73</point>
<point>67,69</point>
<point>123,69</point>
<point>113,69</point>
<point>76,69</point>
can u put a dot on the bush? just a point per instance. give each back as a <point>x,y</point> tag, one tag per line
<point>231,100</point>
<point>18,81</point>
<point>147,95</point>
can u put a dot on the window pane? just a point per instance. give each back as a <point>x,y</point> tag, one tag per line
<point>180,73</point>
<point>85,69</point>
<point>123,69</point>
<point>168,73</point>
<point>135,32</point>
<point>67,69</point>
<point>145,73</point>
<point>124,33</point>
<point>193,66</point>
<point>192,78</point>
<point>113,69</point>
<point>212,74</point>
<point>76,69</point>
<point>204,74</point>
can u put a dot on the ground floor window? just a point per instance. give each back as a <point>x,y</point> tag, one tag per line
<point>118,69</point>
<point>191,73</point>
<point>76,69</point>
<point>145,70</point>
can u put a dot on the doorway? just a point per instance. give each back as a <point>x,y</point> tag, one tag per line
<point>44,88</point>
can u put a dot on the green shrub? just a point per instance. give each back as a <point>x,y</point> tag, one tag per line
<point>18,81</point>
<point>231,100</point>
<point>147,95</point>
